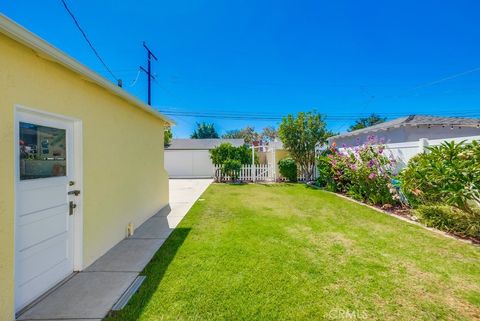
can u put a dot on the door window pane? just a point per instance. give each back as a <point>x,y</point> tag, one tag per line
<point>43,151</point>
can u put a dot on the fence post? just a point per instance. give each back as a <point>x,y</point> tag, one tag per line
<point>274,169</point>
<point>422,145</point>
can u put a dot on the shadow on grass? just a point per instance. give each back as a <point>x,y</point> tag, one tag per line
<point>314,187</point>
<point>154,272</point>
<point>277,184</point>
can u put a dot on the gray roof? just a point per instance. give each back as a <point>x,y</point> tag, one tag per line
<point>202,144</point>
<point>415,120</point>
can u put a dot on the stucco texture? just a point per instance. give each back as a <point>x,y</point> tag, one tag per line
<point>279,155</point>
<point>123,173</point>
<point>408,134</point>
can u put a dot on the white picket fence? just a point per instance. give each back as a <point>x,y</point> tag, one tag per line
<point>254,173</point>
<point>248,173</point>
<point>301,177</point>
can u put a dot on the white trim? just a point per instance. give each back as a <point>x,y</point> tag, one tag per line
<point>78,217</point>
<point>16,151</point>
<point>78,177</point>
<point>16,32</point>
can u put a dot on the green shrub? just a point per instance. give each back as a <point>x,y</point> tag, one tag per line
<point>227,151</point>
<point>450,219</point>
<point>325,172</point>
<point>232,167</point>
<point>446,174</point>
<point>288,169</point>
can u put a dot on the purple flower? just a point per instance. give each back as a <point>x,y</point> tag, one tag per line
<point>344,145</point>
<point>371,163</point>
<point>372,176</point>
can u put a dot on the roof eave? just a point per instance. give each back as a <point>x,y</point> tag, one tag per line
<point>362,132</point>
<point>46,50</point>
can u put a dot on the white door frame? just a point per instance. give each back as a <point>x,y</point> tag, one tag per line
<point>78,170</point>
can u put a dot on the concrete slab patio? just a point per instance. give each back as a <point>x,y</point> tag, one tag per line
<point>90,294</point>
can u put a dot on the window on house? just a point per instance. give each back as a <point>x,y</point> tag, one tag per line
<point>43,151</point>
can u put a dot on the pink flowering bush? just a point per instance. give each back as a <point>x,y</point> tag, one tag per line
<point>364,173</point>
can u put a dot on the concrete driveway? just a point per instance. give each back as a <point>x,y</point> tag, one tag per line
<point>91,294</point>
<point>183,194</point>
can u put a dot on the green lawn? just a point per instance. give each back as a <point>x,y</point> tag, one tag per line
<point>289,252</point>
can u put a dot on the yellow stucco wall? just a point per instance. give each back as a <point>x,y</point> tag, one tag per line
<point>123,174</point>
<point>279,155</point>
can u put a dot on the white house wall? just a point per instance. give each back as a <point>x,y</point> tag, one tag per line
<point>408,134</point>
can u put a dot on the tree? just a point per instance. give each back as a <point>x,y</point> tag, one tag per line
<point>204,130</point>
<point>329,133</point>
<point>232,134</point>
<point>269,134</point>
<point>167,137</point>
<point>227,151</point>
<point>371,120</point>
<point>300,136</point>
<point>248,134</point>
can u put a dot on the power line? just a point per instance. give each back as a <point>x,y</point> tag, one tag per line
<point>165,89</point>
<point>367,103</point>
<point>330,116</point>
<point>431,83</point>
<point>277,117</point>
<point>224,111</point>
<point>136,78</point>
<point>88,41</point>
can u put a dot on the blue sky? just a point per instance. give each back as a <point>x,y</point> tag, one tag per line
<point>342,58</point>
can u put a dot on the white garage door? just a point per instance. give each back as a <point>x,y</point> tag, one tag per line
<point>188,163</point>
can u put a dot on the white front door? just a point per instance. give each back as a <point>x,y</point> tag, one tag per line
<point>44,220</point>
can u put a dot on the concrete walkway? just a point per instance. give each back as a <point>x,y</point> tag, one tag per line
<point>90,294</point>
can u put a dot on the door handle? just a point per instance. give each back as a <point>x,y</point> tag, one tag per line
<point>75,192</point>
<point>71,207</point>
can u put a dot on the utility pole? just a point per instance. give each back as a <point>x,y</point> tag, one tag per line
<point>150,55</point>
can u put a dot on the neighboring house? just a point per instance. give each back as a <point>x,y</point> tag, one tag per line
<point>190,158</point>
<point>68,138</point>
<point>407,136</point>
